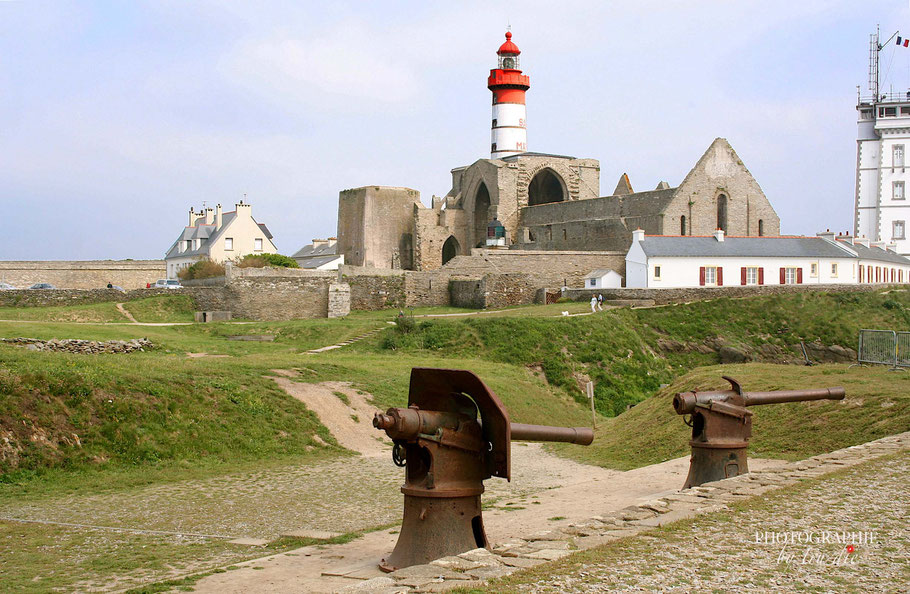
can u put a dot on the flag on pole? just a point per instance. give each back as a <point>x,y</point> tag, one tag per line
<point>902,41</point>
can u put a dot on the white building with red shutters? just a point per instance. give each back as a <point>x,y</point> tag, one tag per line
<point>665,261</point>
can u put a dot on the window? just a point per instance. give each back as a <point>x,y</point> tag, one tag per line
<point>722,212</point>
<point>897,190</point>
<point>257,245</point>
<point>897,155</point>
<point>752,275</point>
<point>228,243</point>
<point>189,244</point>
<point>813,269</point>
<point>682,225</point>
<point>897,231</point>
<point>493,148</point>
<point>790,276</point>
<point>887,112</point>
<point>905,110</point>
<point>657,273</point>
<point>592,282</point>
<point>761,227</point>
<point>494,122</point>
<point>710,275</point>
<point>865,114</point>
<point>834,269</point>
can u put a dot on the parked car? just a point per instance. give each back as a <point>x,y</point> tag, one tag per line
<point>6,287</point>
<point>42,286</point>
<point>167,284</point>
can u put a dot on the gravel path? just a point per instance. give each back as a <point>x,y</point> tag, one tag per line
<point>720,552</point>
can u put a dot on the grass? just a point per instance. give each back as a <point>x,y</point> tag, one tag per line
<point>95,312</point>
<point>163,308</point>
<point>877,405</point>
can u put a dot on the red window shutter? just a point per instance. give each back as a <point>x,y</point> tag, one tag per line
<point>783,276</point>
<point>701,276</point>
<point>742,275</point>
<point>860,273</point>
<point>799,276</point>
<point>720,276</point>
<point>761,276</point>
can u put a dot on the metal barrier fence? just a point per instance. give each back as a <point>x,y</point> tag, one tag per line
<point>885,347</point>
<point>902,352</point>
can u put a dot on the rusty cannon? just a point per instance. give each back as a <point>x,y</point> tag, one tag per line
<point>721,426</point>
<point>454,434</point>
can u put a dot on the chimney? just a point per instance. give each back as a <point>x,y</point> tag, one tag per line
<point>333,240</point>
<point>891,247</point>
<point>719,235</point>
<point>638,235</point>
<point>317,243</point>
<point>878,244</point>
<point>863,241</point>
<point>209,216</point>
<point>217,216</point>
<point>243,209</point>
<point>827,235</point>
<point>192,218</point>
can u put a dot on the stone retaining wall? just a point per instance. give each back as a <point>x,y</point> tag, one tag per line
<point>665,296</point>
<point>54,297</point>
<point>88,274</point>
<point>473,568</point>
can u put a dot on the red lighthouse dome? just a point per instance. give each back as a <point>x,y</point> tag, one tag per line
<point>508,47</point>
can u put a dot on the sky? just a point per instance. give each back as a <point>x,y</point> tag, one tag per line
<point>117,117</point>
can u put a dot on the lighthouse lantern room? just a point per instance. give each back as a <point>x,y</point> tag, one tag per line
<point>508,84</point>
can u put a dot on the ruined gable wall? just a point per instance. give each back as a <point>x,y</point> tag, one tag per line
<point>720,171</point>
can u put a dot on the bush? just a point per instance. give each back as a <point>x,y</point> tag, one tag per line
<point>405,324</point>
<point>201,269</point>
<point>564,300</point>
<point>263,260</point>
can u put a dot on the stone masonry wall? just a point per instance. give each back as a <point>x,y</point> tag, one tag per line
<point>88,274</point>
<point>665,296</point>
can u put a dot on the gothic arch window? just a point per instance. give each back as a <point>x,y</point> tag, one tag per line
<point>722,212</point>
<point>761,227</point>
<point>481,214</point>
<point>450,249</point>
<point>546,187</point>
<point>682,225</point>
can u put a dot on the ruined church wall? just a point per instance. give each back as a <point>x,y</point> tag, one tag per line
<point>376,226</point>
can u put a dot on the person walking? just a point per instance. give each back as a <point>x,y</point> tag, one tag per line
<point>593,303</point>
<point>600,302</point>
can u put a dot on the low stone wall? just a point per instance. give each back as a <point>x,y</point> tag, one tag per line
<point>88,274</point>
<point>54,297</point>
<point>665,296</point>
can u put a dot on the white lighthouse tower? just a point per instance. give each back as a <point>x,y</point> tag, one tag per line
<point>882,166</point>
<point>510,134</point>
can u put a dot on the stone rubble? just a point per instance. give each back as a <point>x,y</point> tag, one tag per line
<point>82,347</point>
<point>470,569</point>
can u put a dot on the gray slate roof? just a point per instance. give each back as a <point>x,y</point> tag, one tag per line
<point>317,261</point>
<point>308,251</point>
<point>771,247</point>
<point>600,272</point>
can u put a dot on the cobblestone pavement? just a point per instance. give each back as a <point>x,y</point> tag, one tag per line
<point>738,541</point>
<point>752,549</point>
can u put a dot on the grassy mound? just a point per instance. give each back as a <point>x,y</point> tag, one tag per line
<point>160,308</point>
<point>72,411</point>
<point>877,405</point>
<point>625,353</point>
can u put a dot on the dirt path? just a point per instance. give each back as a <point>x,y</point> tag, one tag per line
<point>345,412</point>
<point>127,314</point>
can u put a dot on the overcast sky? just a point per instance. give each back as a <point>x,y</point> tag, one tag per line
<point>116,117</point>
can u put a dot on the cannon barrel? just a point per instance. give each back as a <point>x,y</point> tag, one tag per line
<point>577,435</point>
<point>757,398</point>
<point>684,403</point>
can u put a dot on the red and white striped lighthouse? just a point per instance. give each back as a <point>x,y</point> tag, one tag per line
<point>510,134</point>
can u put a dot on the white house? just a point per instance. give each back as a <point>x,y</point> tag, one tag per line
<point>603,279</point>
<point>218,236</point>
<point>660,261</point>
<point>322,254</point>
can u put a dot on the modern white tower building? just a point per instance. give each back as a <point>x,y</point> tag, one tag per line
<point>510,134</point>
<point>882,176</point>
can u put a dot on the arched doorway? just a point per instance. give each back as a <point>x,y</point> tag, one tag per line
<point>481,215</point>
<point>546,187</point>
<point>450,249</point>
<point>722,212</point>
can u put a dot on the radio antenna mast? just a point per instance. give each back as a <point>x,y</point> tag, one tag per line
<point>875,49</point>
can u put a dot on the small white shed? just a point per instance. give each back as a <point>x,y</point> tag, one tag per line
<point>603,279</point>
